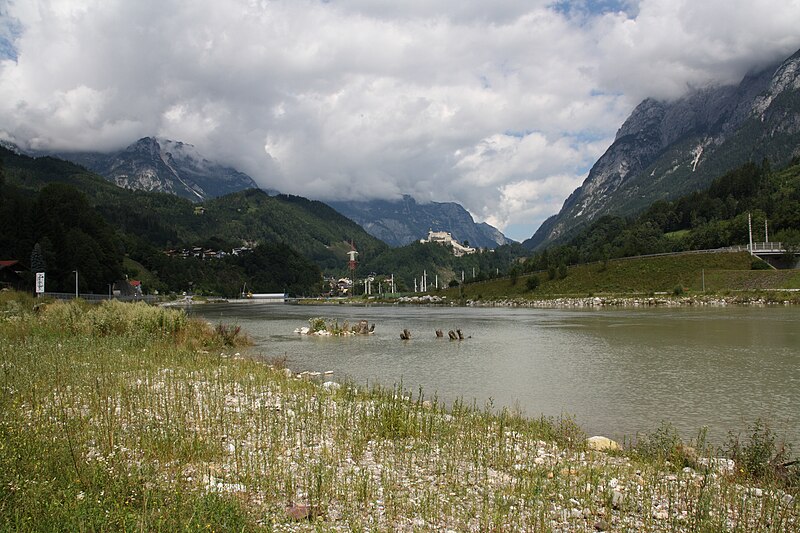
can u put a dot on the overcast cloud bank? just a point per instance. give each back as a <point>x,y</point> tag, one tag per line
<point>500,106</point>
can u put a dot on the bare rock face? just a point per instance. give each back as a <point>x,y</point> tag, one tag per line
<point>667,149</point>
<point>160,165</point>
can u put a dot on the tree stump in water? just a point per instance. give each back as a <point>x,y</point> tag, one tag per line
<point>405,335</point>
<point>439,333</point>
<point>452,335</point>
<point>460,335</point>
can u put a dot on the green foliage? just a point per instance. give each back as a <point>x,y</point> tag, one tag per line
<point>93,230</point>
<point>38,264</point>
<point>532,283</point>
<point>664,444</point>
<point>709,219</point>
<point>760,456</point>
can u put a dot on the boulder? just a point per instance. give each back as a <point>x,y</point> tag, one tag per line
<point>602,444</point>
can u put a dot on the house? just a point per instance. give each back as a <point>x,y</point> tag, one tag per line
<point>11,275</point>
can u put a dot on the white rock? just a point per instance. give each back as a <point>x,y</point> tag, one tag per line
<point>718,464</point>
<point>616,499</point>
<point>331,386</point>
<point>660,514</point>
<point>602,444</point>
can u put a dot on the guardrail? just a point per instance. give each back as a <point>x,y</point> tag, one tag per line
<point>767,247</point>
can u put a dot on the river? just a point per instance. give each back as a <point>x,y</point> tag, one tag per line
<point>617,371</point>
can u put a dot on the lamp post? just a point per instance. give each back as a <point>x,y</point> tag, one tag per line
<point>76,283</point>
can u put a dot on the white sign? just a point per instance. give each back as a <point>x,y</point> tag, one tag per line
<point>39,282</point>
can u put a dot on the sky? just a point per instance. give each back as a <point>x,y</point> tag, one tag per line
<point>500,106</point>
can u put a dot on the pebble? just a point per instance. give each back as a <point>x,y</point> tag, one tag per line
<point>616,499</point>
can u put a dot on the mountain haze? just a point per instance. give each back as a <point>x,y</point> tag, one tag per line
<point>401,222</point>
<point>666,149</point>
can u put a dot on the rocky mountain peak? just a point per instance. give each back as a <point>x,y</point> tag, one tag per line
<point>165,166</point>
<point>668,148</point>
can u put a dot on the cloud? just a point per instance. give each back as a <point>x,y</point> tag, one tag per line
<point>501,106</point>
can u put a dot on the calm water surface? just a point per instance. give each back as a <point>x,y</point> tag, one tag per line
<point>617,371</point>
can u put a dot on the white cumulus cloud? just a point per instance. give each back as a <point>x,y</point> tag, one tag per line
<point>501,106</point>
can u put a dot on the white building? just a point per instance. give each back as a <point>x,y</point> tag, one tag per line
<point>444,237</point>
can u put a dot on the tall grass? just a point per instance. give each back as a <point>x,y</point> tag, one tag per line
<point>124,418</point>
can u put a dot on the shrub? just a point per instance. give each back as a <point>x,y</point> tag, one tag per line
<point>761,457</point>
<point>228,334</point>
<point>664,444</point>
<point>532,283</point>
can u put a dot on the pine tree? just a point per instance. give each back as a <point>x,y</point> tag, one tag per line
<point>38,263</point>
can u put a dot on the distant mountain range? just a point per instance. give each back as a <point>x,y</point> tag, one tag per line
<point>162,165</point>
<point>667,149</point>
<point>404,221</point>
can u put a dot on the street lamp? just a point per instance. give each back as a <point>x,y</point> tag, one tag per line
<point>76,283</point>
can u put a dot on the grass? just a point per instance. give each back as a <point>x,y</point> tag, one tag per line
<point>127,417</point>
<point>641,276</point>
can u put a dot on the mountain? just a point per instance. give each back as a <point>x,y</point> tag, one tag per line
<point>666,149</point>
<point>160,165</point>
<point>404,221</point>
<point>165,221</point>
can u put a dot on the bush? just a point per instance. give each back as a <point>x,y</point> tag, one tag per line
<point>678,290</point>
<point>532,283</point>
<point>759,264</point>
<point>761,457</point>
<point>665,444</point>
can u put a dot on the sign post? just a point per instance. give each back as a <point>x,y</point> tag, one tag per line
<point>39,282</point>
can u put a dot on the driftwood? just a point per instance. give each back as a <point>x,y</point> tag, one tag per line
<point>439,333</point>
<point>405,335</point>
<point>460,335</point>
<point>452,335</point>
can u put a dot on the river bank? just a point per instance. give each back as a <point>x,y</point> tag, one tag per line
<point>113,419</point>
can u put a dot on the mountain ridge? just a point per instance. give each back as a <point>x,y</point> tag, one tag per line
<point>401,222</point>
<point>665,149</point>
<point>162,165</point>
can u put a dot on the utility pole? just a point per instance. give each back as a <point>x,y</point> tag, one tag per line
<point>766,231</point>
<point>76,283</point>
<point>750,231</point>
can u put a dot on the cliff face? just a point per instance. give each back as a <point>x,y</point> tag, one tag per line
<point>404,221</point>
<point>666,149</point>
<point>165,166</point>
